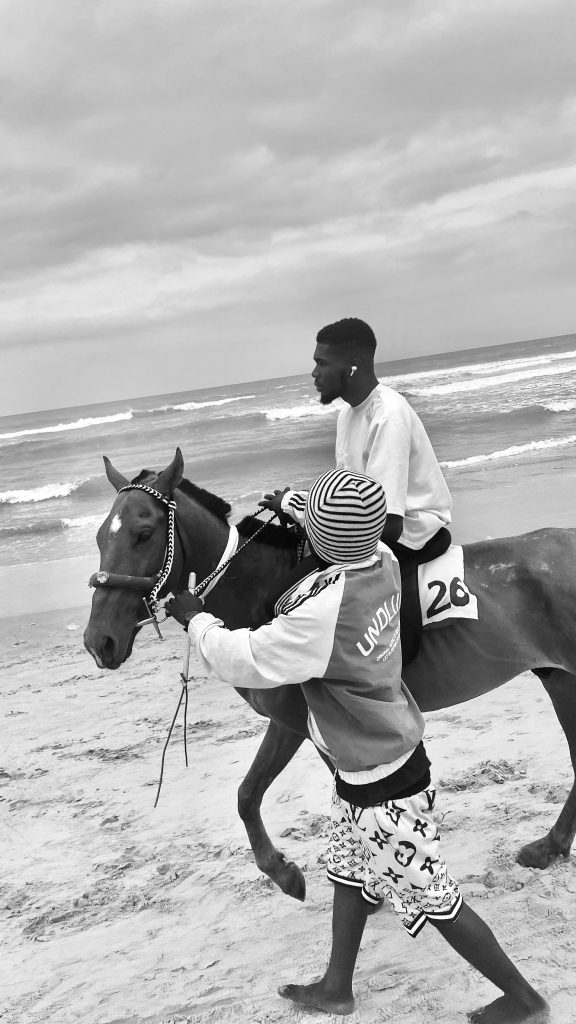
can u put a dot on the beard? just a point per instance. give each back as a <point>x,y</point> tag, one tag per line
<point>327,397</point>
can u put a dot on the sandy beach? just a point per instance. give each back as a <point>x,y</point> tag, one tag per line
<point>112,911</point>
<point>115,912</point>
<point>223,225</point>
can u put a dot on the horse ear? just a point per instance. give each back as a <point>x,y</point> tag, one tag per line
<point>114,476</point>
<point>170,477</point>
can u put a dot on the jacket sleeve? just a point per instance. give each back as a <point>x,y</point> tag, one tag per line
<point>294,505</point>
<point>291,649</point>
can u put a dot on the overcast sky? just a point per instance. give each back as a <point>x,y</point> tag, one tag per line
<point>189,190</point>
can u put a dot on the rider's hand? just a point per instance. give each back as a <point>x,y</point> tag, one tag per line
<point>184,607</point>
<point>273,501</point>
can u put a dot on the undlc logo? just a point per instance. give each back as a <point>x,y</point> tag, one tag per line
<point>383,618</point>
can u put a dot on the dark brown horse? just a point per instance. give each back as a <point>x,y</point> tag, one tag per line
<point>526,590</point>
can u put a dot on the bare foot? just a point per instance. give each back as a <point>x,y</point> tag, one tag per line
<point>315,997</point>
<point>507,1010</point>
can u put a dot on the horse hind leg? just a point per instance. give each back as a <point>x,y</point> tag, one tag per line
<point>275,752</point>
<point>561,688</point>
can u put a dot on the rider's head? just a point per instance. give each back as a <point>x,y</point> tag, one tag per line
<point>345,515</point>
<point>344,353</point>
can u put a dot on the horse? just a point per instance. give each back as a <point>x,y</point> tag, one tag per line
<point>525,587</point>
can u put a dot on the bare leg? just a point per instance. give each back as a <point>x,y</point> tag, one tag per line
<point>471,937</point>
<point>275,752</point>
<point>333,992</point>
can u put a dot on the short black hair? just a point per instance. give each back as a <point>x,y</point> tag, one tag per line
<point>349,335</point>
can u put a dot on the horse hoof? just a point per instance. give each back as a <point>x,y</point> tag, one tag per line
<point>540,854</point>
<point>291,880</point>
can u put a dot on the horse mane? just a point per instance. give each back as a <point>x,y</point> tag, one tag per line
<point>276,536</point>
<point>145,476</point>
<point>211,502</point>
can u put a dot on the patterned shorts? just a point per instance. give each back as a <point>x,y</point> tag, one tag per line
<point>393,851</point>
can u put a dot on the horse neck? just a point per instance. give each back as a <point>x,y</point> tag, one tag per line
<point>240,598</point>
<point>204,537</point>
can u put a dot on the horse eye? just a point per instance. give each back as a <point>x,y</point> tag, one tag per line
<point>144,536</point>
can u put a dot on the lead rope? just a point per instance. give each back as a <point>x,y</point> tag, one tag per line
<point>196,590</point>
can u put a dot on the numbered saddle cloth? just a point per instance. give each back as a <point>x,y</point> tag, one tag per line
<point>444,595</point>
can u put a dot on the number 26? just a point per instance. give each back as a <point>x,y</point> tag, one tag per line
<point>458,597</point>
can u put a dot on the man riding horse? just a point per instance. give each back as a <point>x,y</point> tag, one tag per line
<point>379,434</point>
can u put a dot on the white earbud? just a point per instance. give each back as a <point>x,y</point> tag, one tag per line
<point>353,370</point>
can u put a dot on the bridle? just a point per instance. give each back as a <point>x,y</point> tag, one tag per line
<point>150,586</point>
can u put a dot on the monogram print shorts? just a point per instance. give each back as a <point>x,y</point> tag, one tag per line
<point>393,851</point>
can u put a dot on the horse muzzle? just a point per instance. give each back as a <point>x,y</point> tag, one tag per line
<point>111,630</point>
<point>108,652</point>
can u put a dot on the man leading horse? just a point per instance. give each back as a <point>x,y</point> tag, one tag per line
<point>384,841</point>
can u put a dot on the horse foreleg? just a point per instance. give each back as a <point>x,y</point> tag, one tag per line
<point>561,688</point>
<point>275,752</point>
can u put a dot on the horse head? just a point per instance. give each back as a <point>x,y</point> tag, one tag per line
<point>132,542</point>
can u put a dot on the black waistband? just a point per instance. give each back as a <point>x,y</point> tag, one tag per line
<point>411,778</point>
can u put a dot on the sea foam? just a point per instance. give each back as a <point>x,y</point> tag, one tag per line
<point>479,383</point>
<point>514,450</point>
<point>495,367</point>
<point>40,493</point>
<point>301,411</point>
<point>561,406</point>
<point>192,406</point>
<point>81,424</point>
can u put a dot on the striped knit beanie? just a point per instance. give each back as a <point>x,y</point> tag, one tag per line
<point>345,515</point>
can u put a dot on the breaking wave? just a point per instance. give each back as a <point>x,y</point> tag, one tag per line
<point>98,421</point>
<point>81,424</point>
<point>494,368</point>
<point>514,450</point>
<point>477,384</point>
<point>301,411</point>
<point>561,406</point>
<point>41,526</point>
<point>40,493</point>
<point>192,406</point>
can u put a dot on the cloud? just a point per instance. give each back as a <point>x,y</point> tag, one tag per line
<point>191,161</point>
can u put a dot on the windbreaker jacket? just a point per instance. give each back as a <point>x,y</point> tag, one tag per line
<point>337,634</point>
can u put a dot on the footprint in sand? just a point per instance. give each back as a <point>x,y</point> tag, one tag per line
<point>484,774</point>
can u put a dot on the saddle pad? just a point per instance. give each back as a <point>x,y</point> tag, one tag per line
<point>443,593</point>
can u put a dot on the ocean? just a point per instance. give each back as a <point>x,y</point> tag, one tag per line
<point>493,415</point>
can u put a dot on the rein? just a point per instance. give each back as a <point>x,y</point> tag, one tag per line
<point>230,552</point>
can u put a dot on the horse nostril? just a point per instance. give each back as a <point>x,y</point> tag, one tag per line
<point>107,649</point>
<point>102,649</point>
